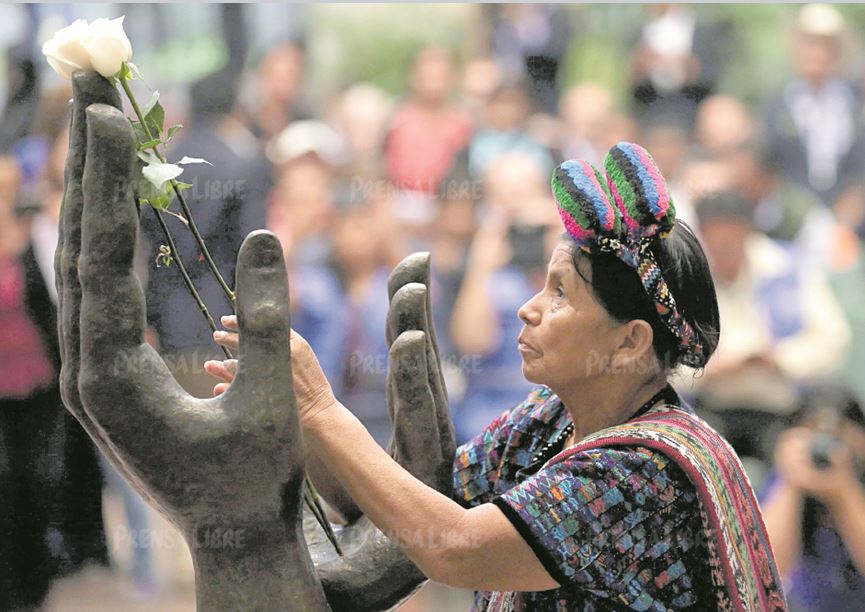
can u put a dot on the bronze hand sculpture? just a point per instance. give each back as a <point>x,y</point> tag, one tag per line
<point>228,471</point>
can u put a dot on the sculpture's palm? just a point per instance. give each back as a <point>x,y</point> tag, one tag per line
<point>232,463</point>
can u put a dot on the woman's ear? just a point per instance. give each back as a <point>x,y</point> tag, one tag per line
<point>634,350</point>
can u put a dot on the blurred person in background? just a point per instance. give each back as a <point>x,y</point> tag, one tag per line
<point>360,259</point>
<point>451,233</point>
<point>669,142</point>
<point>587,110</point>
<point>227,200</point>
<point>360,117</point>
<point>29,402</point>
<point>529,41</point>
<point>505,266</point>
<point>699,175</point>
<point>22,95</point>
<point>425,135</point>
<point>481,76</point>
<point>503,131</point>
<point>299,208</point>
<point>50,518</point>
<point>301,205</point>
<point>782,207</point>
<point>723,124</point>
<point>814,126</point>
<point>849,206</point>
<point>783,327</point>
<point>790,213</point>
<point>274,99</point>
<point>675,62</point>
<point>814,503</point>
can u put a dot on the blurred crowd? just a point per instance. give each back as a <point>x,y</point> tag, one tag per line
<point>458,164</point>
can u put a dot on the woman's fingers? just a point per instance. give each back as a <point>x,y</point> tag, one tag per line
<point>227,339</point>
<point>229,322</point>
<point>224,370</point>
<point>220,388</point>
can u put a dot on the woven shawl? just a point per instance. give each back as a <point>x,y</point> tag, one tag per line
<point>743,567</point>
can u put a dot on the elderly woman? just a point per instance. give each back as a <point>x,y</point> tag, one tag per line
<point>600,490</point>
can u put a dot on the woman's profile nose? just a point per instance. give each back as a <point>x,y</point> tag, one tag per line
<point>528,314</point>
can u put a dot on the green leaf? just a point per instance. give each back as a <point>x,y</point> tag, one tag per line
<point>125,72</point>
<point>133,69</point>
<point>154,99</point>
<point>155,117</point>
<point>171,132</point>
<point>149,144</point>
<point>181,186</point>
<point>162,201</point>
<point>140,134</point>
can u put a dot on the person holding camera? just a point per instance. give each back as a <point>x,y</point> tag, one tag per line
<point>814,504</point>
<point>505,266</point>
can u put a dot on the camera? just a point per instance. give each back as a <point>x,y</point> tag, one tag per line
<point>527,246</point>
<point>823,444</point>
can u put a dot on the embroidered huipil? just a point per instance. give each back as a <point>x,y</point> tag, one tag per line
<point>620,525</point>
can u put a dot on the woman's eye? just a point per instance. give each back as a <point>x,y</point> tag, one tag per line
<point>560,292</point>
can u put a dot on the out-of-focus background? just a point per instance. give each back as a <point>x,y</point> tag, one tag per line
<point>362,133</point>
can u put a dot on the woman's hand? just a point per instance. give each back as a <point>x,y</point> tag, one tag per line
<point>313,391</point>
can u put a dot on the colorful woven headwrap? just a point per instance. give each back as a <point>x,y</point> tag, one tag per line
<point>623,211</point>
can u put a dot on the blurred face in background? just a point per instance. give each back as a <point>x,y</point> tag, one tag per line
<point>455,219</point>
<point>816,58</point>
<point>280,74</point>
<point>361,114</point>
<point>507,109</point>
<point>723,123</point>
<point>511,183</point>
<point>358,245</point>
<point>481,77</point>
<point>432,76</point>
<point>668,144</point>
<point>707,176</point>
<point>587,109</point>
<point>724,241</point>
<point>301,201</point>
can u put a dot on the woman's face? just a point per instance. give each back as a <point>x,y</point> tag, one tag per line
<point>568,336</point>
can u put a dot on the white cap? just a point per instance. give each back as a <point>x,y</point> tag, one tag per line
<point>303,137</point>
<point>820,20</point>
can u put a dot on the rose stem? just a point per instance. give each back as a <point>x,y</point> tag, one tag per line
<point>186,279</point>
<point>183,205</point>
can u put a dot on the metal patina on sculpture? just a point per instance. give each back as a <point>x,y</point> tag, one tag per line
<point>232,464</point>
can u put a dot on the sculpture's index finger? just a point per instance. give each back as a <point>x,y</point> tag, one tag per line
<point>111,293</point>
<point>264,360</point>
<point>88,88</point>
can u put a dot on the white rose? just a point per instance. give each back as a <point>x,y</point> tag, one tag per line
<point>108,46</point>
<point>65,52</point>
<point>101,46</point>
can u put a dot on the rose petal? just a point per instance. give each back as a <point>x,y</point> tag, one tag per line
<point>157,174</point>
<point>107,53</point>
<point>194,160</point>
<point>65,51</point>
<point>62,67</point>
